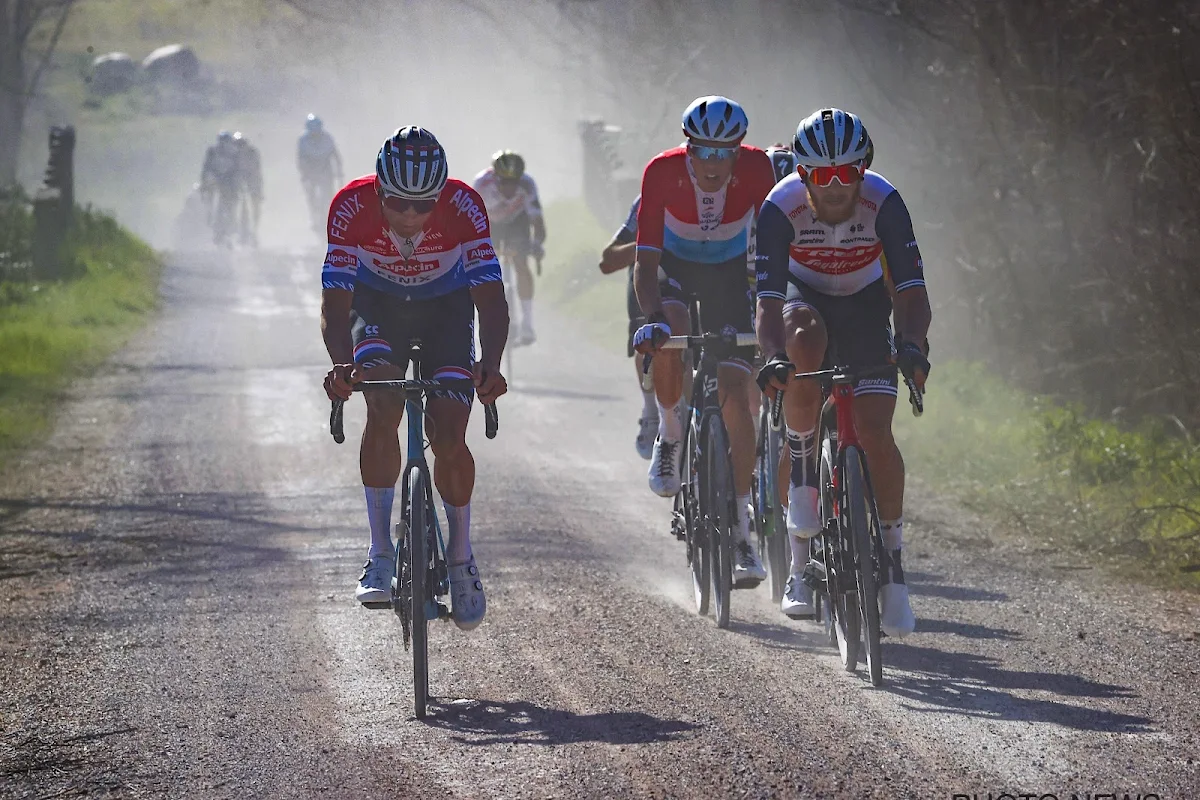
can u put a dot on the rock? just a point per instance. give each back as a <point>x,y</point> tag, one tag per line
<point>112,73</point>
<point>173,63</point>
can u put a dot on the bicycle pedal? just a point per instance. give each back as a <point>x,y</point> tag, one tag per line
<point>814,577</point>
<point>378,606</point>
<point>747,583</point>
<point>443,612</point>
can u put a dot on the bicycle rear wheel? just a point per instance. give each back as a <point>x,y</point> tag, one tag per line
<point>418,570</point>
<point>860,516</point>
<point>717,512</point>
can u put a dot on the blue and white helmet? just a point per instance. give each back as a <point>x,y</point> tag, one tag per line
<point>312,123</point>
<point>783,160</point>
<point>411,164</point>
<point>830,138</point>
<point>715,119</point>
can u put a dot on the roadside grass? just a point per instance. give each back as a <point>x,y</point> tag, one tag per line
<point>1126,497</point>
<point>51,332</point>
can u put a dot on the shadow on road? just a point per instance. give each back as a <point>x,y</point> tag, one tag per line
<point>976,685</point>
<point>489,722</point>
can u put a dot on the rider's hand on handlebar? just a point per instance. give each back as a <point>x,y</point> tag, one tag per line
<point>775,374</point>
<point>489,383</point>
<point>340,380</point>
<point>913,363</point>
<point>653,335</point>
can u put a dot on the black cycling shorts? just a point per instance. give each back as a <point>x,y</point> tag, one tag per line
<point>513,237</point>
<point>859,328</point>
<point>725,299</point>
<point>385,326</point>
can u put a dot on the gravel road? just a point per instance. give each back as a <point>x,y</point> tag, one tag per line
<point>177,619</point>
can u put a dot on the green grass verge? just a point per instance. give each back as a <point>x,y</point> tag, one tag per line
<point>51,332</point>
<point>1029,465</point>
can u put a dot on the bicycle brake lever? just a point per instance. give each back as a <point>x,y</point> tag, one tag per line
<point>915,399</point>
<point>776,409</point>
<point>335,421</point>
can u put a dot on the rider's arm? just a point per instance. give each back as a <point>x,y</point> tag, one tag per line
<point>775,234</point>
<point>493,322</point>
<point>894,228</point>
<point>622,250</point>
<point>533,208</point>
<point>335,324</point>
<point>650,220</point>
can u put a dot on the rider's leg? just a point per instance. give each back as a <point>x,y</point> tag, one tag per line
<point>453,470</point>
<point>733,377</point>
<point>666,458</point>
<point>379,457</point>
<point>648,420</point>
<point>524,290</point>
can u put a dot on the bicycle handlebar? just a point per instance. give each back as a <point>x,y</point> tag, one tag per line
<point>491,415</point>
<point>684,342</point>
<point>916,398</point>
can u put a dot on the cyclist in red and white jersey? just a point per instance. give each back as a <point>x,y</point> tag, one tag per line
<point>694,230</point>
<point>827,238</point>
<point>518,227</point>
<point>410,258</point>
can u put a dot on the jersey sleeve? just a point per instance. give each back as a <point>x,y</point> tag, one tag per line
<point>652,212</point>
<point>533,205</point>
<point>894,228</point>
<point>341,257</point>
<point>775,234</point>
<point>475,234</point>
<point>628,232</point>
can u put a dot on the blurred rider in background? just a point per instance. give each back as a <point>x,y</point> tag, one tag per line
<point>250,186</point>
<point>320,167</point>
<point>220,186</point>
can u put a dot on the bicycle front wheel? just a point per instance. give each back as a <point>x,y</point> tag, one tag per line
<point>845,623</point>
<point>778,548</point>
<point>860,515</point>
<point>688,502</point>
<point>718,514</point>
<point>418,570</point>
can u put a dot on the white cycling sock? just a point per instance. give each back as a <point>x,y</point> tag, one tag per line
<point>379,512</point>
<point>527,313</point>
<point>741,503</point>
<point>800,548</point>
<point>649,405</point>
<point>458,518</point>
<point>670,421</point>
<point>893,532</point>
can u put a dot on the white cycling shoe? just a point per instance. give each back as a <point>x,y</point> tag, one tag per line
<point>802,517</point>
<point>797,602</point>
<point>375,583</point>
<point>468,602</point>
<point>665,463</point>
<point>895,613</point>
<point>647,432</point>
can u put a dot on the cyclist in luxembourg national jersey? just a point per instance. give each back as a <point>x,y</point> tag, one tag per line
<point>410,258</point>
<point>698,204</point>
<point>824,236</point>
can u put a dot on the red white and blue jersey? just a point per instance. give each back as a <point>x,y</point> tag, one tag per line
<point>453,251</point>
<point>501,209</point>
<point>840,259</point>
<point>699,227</point>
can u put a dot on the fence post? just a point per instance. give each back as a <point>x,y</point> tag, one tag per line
<point>54,205</point>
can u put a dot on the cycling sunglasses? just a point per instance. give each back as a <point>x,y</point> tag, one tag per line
<point>705,153</point>
<point>845,174</point>
<point>401,204</point>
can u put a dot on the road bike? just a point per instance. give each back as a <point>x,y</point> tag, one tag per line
<point>704,515</point>
<point>770,523</point>
<point>422,576</point>
<point>848,560</point>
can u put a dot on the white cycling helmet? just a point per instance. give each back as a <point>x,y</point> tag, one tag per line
<point>831,137</point>
<point>411,165</point>
<point>783,160</point>
<point>715,119</point>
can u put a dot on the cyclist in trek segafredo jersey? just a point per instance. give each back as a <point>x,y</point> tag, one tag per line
<point>827,237</point>
<point>698,205</point>
<point>410,259</point>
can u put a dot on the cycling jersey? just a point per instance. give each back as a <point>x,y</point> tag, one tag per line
<point>453,251</point>
<point>697,227</point>
<point>628,232</point>
<point>221,167</point>
<point>316,153</point>
<point>840,259</point>
<point>503,210</point>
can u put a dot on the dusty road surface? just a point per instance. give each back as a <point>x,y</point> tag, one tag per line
<point>177,619</point>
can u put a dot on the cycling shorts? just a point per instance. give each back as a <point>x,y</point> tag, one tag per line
<point>512,238</point>
<point>384,326</point>
<point>859,327</point>
<point>725,300</point>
